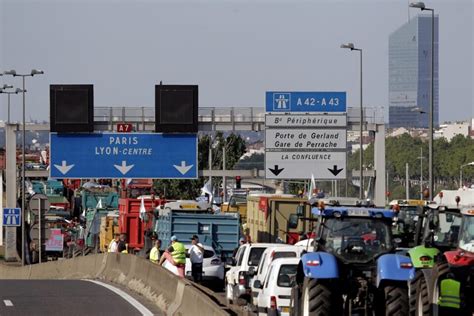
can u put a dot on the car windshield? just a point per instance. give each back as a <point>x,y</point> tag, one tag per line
<point>446,229</point>
<point>466,240</point>
<point>286,275</point>
<point>356,239</point>
<point>284,254</point>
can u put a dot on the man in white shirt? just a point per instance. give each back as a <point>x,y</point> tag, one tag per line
<point>196,254</point>
<point>113,246</point>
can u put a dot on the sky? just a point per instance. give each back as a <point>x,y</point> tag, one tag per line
<point>234,50</point>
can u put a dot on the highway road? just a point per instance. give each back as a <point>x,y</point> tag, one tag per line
<point>68,297</point>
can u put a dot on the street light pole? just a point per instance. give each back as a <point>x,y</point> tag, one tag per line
<point>361,153</point>
<point>422,7</point>
<point>421,172</point>
<point>23,151</point>
<point>460,172</point>
<point>8,93</point>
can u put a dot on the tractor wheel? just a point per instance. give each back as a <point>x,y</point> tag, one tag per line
<point>295,301</point>
<point>413,293</point>
<point>396,300</point>
<point>423,305</point>
<point>319,299</point>
<point>440,272</point>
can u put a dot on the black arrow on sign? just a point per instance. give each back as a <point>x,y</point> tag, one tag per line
<point>276,171</point>
<point>335,171</point>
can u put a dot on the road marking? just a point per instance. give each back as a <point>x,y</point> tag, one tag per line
<point>8,303</point>
<point>140,307</point>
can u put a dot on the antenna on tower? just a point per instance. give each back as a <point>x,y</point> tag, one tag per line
<point>408,7</point>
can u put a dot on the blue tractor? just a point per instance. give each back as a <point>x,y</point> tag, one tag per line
<point>354,268</point>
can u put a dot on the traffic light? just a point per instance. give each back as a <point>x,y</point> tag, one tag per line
<point>238,182</point>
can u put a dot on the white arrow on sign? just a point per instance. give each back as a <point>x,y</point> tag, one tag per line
<point>183,168</point>
<point>64,168</point>
<point>124,168</point>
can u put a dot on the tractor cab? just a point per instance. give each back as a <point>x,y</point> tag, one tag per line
<point>466,236</point>
<point>355,234</point>
<point>408,214</point>
<point>440,227</point>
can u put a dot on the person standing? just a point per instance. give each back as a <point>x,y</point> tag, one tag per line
<point>155,251</point>
<point>196,254</point>
<point>113,246</point>
<point>176,255</point>
<point>122,244</point>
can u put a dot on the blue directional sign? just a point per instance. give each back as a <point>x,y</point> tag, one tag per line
<point>12,217</point>
<point>124,155</point>
<point>305,101</point>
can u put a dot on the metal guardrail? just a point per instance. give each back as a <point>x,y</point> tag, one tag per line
<point>209,118</point>
<point>210,115</point>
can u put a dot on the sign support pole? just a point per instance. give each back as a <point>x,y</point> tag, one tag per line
<point>39,229</point>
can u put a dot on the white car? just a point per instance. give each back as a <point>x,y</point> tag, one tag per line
<point>237,279</point>
<point>270,254</point>
<point>212,266</point>
<point>274,298</point>
<point>307,243</point>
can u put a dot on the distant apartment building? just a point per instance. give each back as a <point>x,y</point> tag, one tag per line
<point>449,131</point>
<point>410,74</point>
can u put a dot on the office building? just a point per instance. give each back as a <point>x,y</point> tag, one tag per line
<point>410,73</point>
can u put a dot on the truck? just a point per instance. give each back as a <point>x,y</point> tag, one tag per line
<point>354,268</point>
<point>136,219</point>
<point>237,204</point>
<point>267,218</point>
<point>185,218</point>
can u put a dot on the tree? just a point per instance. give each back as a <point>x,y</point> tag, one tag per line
<point>190,189</point>
<point>447,160</point>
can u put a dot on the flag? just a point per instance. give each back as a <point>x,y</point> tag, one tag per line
<point>207,189</point>
<point>312,187</point>
<point>99,205</point>
<point>142,209</point>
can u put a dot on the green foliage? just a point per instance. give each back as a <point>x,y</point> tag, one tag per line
<point>447,160</point>
<point>256,161</point>
<point>190,189</point>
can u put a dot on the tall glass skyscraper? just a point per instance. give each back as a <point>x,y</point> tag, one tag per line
<point>410,73</point>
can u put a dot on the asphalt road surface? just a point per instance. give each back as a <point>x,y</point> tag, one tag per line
<point>68,297</point>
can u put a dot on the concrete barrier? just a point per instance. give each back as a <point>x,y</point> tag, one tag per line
<point>169,293</point>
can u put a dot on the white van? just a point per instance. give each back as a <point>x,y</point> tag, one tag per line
<point>274,298</point>
<point>270,254</point>
<point>237,279</point>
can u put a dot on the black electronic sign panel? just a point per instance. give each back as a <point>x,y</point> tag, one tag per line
<point>71,108</point>
<point>176,108</point>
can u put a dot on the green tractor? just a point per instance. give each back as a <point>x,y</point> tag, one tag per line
<point>437,231</point>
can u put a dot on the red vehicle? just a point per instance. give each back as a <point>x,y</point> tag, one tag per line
<point>131,221</point>
<point>451,290</point>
